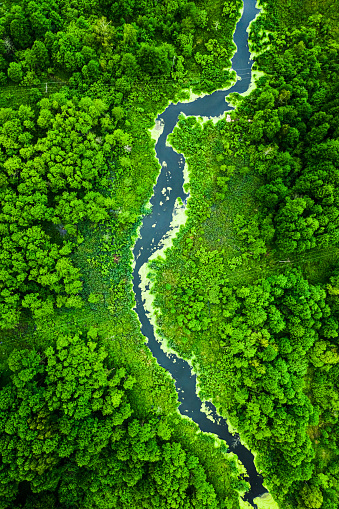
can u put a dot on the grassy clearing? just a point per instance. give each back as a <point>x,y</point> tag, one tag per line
<point>12,96</point>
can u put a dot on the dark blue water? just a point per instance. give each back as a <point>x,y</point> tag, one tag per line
<point>171,176</point>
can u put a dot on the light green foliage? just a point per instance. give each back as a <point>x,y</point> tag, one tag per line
<point>53,178</point>
<point>312,496</point>
<point>250,232</point>
<point>231,9</point>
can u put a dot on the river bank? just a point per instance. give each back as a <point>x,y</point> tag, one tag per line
<point>156,234</point>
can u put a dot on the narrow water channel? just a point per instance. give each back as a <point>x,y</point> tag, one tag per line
<point>155,226</point>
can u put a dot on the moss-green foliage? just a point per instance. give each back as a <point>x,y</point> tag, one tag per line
<point>298,159</point>
<point>249,289</point>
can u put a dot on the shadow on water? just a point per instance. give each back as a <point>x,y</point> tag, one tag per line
<point>168,188</point>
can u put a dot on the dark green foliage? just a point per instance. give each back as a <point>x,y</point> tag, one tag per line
<point>55,156</point>
<point>66,426</point>
<point>100,41</point>
<point>294,126</point>
<point>156,60</point>
<point>77,165</point>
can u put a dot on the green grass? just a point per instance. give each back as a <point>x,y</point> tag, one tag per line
<point>12,95</point>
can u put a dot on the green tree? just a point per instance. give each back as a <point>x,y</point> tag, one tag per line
<point>130,35</point>
<point>312,496</point>
<point>15,72</point>
<point>66,429</point>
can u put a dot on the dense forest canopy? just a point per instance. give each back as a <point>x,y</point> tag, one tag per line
<point>88,419</point>
<point>249,290</point>
<point>66,428</point>
<point>62,155</point>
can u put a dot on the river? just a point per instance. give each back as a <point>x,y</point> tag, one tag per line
<point>156,225</point>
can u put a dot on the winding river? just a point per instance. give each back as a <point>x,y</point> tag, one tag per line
<point>156,225</point>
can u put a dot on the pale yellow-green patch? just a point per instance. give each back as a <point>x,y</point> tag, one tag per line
<point>178,218</point>
<point>231,429</point>
<point>204,409</point>
<point>157,130</point>
<point>266,502</point>
<point>255,76</point>
<point>148,299</point>
<point>207,411</point>
<point>185,170</point>
<point>244,505</point>
<point>193,97</point>
<point>137,236</point>
<point>214,119</point>
<point>186,174</point>
<point>243,441</point>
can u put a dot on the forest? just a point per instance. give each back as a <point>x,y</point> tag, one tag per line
<point>248,292</point>
<point>88,418</point>
<point>249,289</point>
